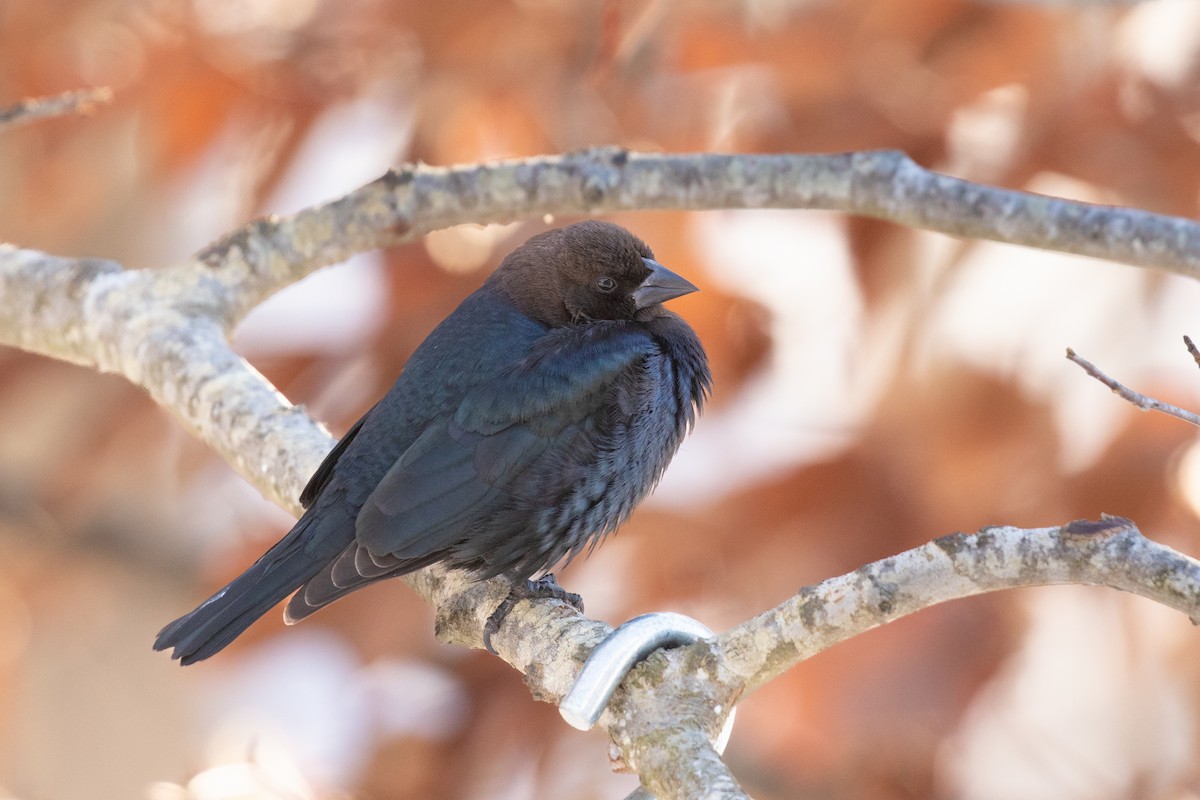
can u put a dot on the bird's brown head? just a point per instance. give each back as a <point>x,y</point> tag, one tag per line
<point>592,270</point>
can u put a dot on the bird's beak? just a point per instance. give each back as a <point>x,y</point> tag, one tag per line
<point>660,286</point>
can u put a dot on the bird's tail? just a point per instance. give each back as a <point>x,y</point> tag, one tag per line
<point>221,618</point>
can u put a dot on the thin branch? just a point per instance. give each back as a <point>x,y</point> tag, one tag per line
<point>1192,350</point>
<point>31,109</point>
<point>1111,552</point>
<point>1138,399</point>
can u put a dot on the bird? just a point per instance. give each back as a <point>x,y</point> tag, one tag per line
<point>521,432</point>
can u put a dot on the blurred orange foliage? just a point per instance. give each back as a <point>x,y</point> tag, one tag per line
<point>925,395</point>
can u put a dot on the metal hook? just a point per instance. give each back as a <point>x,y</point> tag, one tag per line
<point>612,659</point>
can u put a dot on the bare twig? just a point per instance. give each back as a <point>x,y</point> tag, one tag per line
<point>80,101</point>
<point>1138,399</point>
<point>1191,348</point>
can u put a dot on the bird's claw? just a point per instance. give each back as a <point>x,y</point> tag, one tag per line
<point>546,586</point>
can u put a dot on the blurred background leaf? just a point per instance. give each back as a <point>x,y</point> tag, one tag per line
<point>876,387</point>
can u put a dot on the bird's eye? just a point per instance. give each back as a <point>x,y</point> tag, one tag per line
<point>606,284</point>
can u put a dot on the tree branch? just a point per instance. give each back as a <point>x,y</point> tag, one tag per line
<point>1111,552</point>
<point>267,254</point>
<point>1144,402</point>
<point>81,101</point>
<point>159,329</point>
<point>674,703</point>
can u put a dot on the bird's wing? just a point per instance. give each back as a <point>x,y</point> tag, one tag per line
<point>548,412</point>
<point>324,472</point>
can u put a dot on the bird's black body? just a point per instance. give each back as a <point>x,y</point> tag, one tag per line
<point>526,426</point>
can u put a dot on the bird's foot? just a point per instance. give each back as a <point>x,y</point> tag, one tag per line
<point>546,586</point>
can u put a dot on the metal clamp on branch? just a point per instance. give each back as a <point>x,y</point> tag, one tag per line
<point>614,657</point>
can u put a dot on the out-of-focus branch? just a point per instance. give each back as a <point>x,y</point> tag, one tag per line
<point>1192,349</point>
<point>81,101</point>
<point>1144,402</point>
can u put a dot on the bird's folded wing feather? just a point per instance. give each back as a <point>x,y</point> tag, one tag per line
<point>553,404</point>
<point>324,472</point>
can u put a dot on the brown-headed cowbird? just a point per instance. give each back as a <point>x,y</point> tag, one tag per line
<point>526,426</point>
